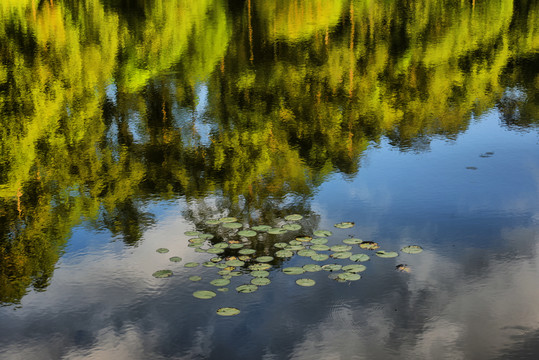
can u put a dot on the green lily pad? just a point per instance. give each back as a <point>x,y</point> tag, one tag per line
<point>221,266</point>
<point>348,276</point>
<point>259,266</point>
<point>340,248</point>
<point>369,245</point>
<point>293,270</point>
<point>260,281</point>
<point>221,245</point>
<point>244,257</point>
<point>284,253</point>
<point>175,259</point>
<point>352,241</point>
<point>195,278</point>
<point>224,272</point>
<point>204,294</point>
<point>295,242</point>
<point>386,254</point>
<point>261,228</point>
<point>199,250</point>
<point>294,247</point>
<point>412,249</point>
<point>247,233</point>
<point>280,245</point>
<point>293,217</point>
<point>360,257</point>
<point>259,273</point>
<point>277,231</point>
<point>227,311</point>
<point>306,252</point>
<point>228,219</point>
<point>247,251</point>
<point>344,225</point>
<point>226,277</point>
<point>196,241</point>
<point>215,251</point>
<point>162,274</point>
<point>208,264</point>
<point>234,262</point>
<point>341,255</point>
<point>232,225</point>
<point>236,246</point>
<point>191,233</point>
<point>212,222</point>
<point>305,282</point>
<point>292,227</point>
<point>354,268</point>
<point>235,273</point>
<point>304,238</point>
<point>220,282</point>
<point>322,233</point>
<point>247,288</point>
<point>206,236</point>
<point>320,257</point>
<point>191,264</point>
<point>264,259</point>
<point>319,241</point>
<point>332,267</point>
<point>312,267</point>
<point>162,250</point>
<point>317,247</point>
<point>216,259</point>
<point>222,289</point>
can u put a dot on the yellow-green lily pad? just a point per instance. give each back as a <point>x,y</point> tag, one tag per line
<point>162,274</point>
<point>227,311</point>
<point>305,282</point>
<point>412,249</point>
<point>204,294</point>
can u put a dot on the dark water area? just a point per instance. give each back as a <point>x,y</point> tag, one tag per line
<point>125,125</point>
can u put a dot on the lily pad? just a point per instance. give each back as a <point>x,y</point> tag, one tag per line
<point>319,241</point>
<point>212,222</point>
<point>320,257</point>
<point>196,241</point>
<point>322,233</point>
<point>221,245</point>
<point>403,268</point>
<point>292,227</point>
<point>317,247</point>
<point>175,259</point>
<point>354,268</point>
<point>208,264</point>
<point>369,245</point>
<point>220,282</point>
<point>247,288</point>
<point>222,289</point>
<point>244,257</point>
<point>191,264</point>
<point>352,241</point>
<point>199,250</point>
<point>224,272</point>
<point>204,294</point>
<point>306,252</point>
<point>227,311</point>
<point>216,259</point>
<point>312,267</point>
<point>191,233</point>
<point>247,251</point>
<point>235,273</point>
<point>162,274</point>
<point>332,267</point>
<point>340,248</point>
<point>348,276</point>
<point>162,250</point>
<point>293,270</point>
<point>206,236</point>
<point>412,249</point>
<point>215,251</point>
<point>294,247</point>
<point>259,266</point>
<point>344,225</point>
<point>284,253</point>
<point>232,225</point>
<point>261,228</point>
<point>220,266</point>
<point>280,245</point>
<point>293,217</point>
<point>264,259</point>
<point>259,273</point>
<point>360,257</point>
<point>295,242</point>
<point>260,281</point>
<point>247,233</point>
<point>195,278</point>
<point>229,219</point>
<point>305,282</point>
<point>304,238</point>
<point>235,263</point>
<point>341,255</point>
<point>236,246</point>
<point>277,231</point>
<point>386,254</point>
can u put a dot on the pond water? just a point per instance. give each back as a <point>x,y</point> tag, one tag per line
<point>126,125</point>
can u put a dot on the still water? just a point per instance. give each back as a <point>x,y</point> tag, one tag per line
<point>126,124</point>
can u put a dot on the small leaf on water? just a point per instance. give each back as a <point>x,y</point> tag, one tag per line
<point>277,231</point>
<point>259,266</point>
<point>280,245</point>
<point>332,267</point>
<point>162,250</point>
<point>212,222</point>
<point>208,264</point>
<point>191,264</point>
<point>162,274</point>
<point>319,247</point>
<point>220,282</point>
<point>247,288</point>
<point>412,249</point>
<point>292,227</point>
<point>260,281</point>
<point>386,254</point>
<point>305,282</point>
<point>319,241</point>
<point>369,245</point>
<point>322,233</point>
<point>222,289</point>
<point>206,236</point>
<point>259,273</point>
<point>175,259</point>
<point>215,251</point>
<point>204,294</point>
<point>262,228</point>
<point>232,225</point>
<point>348,276</point>
<point>228,219</point>
<point>403,268</point>
<point>293,217</point>
<point>247,233</point>
<point>320,257</point>
<point>234,263</point>
<point>354,268</point>
<point>247,251</point>
<point>340,248</point>
<point>227,311</point>
<point>191,233</point>
<point>264,259</point>
<point>344,225</point>
<point>312,267</point>
<point>221,245</point>
<point>341,255</point>
<point>352,241</point>
<point>304,238</point>
<point>195,278</point>
<point>284,253</point>
<point>293,270</point>
<point>360,257</point>
<point>236,246</point>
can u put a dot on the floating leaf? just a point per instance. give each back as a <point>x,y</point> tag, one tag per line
<point>344,225</point>
<point>162,274</point>
<point>227,311</point>
<point>175,259</point>
<point>360,257</point>
<point>191,264</point>
<point>215,251</point>
<point>293,217</point>
<point>222,289</point>
<point>247,251</point>
<point>206,236</point>
<point>260,281</point>
<point>262,228</point>
<point>212,222</point>
<point>199,250</point>
<point>340,248</point>
<point>317,247</point>
<point>235,273</point>
<point>247,288</point>
<point>232,225</point>
<point>204,294</point>
<point>412,249</point>
<point>247,233</point>
<point>236,246</point>
<point>403,268</point>
<point>277,231</point>
<point>341,255</point>
<point>369,245</point>
<point>280,245</point>
<point>259,266</point>
<point>244,257</point>
<point>319,241</point>
<point>305,282</point>
<point>312,267</point>
<point>228,219</point>
<point>162,250</point>
<point>294,247</point>
<point>208,264</point>
<point>320,257</point>
<point>230,268</point>
<point>292,227</point>
<point>224,272</point>
<point>386,254</point>
<point>259,273</point>
<point>221,266</point>
<point>332,267</point>
<point>195,278</point>
<point>284,253</point>
<point>220,282</point>
<point>322,233</point>
<point>295,242</point>
<point>196,241</point>
<point>307,253</point>
<point>348,276</point>
<point>304,238</point>
<point>191,233</point>
<point>293,270</point>
<point>235,263</point>
<point>352,241</point>
<point>264,259</point>
<point>221,245</point>
<point>354,268</point>
<point>216,259</point>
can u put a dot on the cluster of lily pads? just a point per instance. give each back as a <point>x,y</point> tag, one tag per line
<point>240,257</point>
